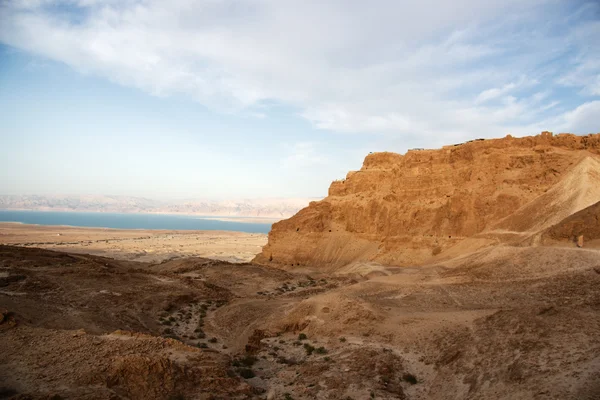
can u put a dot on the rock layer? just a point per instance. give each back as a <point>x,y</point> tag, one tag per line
<point>405,209</point>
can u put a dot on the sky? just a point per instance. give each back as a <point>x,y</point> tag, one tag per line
<point>226,99</point>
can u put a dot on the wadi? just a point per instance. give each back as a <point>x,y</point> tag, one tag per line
<point>466,272</point>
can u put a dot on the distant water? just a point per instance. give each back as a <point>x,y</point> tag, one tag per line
<point>130,221</point>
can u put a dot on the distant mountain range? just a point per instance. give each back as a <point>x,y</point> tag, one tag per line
<point>276,208</point>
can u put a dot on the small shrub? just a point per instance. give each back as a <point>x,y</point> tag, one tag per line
<point>202,345</point>
<point>309,349</point>
<point>246,373</point>
<point>343,339</point>
<point>410,378</point>
<point>321,350</point>
<point>213,340</point>
<point>287,396</point>
<point>249,360</point>
<point>327,359</point>
<point>302,336</point>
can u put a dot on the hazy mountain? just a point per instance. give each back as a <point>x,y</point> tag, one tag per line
<point>268,208</point>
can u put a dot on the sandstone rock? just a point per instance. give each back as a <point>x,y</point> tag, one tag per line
<point>580,225</point>
<point>400,209</point>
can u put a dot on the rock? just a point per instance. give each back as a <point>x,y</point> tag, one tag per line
<point>254,341</point>
<point>7,318</point>
<point>584,223</point>
<point>404,209</point>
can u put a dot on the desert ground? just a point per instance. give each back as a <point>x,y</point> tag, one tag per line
<point>507,322</point>
<point>136,244</point>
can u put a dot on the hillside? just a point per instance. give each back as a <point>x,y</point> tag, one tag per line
<point>501,323</point>
<point>406,209</point>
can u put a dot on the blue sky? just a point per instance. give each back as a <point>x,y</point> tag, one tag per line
<point>271,98</point>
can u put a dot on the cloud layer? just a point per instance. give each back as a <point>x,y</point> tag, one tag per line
<point>452,69</point>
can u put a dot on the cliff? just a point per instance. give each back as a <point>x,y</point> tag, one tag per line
<point>405,209</point>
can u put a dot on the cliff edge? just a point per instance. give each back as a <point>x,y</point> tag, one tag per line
<point>406,209</point>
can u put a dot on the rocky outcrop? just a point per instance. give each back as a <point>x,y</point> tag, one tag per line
<point>578,228</point>
<point>404,209</point>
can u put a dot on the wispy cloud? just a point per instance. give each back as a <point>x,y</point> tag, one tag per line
<point>302,155</point>
<point>464,68</point>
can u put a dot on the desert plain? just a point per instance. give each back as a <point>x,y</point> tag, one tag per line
<point>136,244</point>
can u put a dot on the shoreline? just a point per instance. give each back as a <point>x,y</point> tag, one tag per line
<point>137,221</point>
<point>102,228</point>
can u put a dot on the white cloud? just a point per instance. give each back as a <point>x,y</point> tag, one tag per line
<point>302,155</point>
<point>467,67</point>
<point>584,119</point>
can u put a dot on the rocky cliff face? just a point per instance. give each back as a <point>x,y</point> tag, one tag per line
<point>405,209</point>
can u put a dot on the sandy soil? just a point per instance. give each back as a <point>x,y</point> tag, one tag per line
<point>136,244</point>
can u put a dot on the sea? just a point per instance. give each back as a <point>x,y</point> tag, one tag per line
<point>132,221</point>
